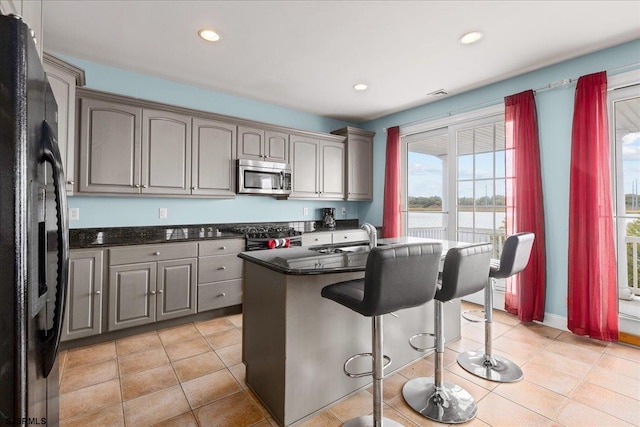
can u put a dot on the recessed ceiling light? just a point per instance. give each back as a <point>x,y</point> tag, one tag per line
<point>209,35</point>
<point>471,37</point>
<point>360,86</point>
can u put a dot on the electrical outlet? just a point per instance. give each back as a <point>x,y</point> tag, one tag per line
<point>344,211</point>
<point>163,213</point>
<point>305,211</point>
<point>74,214</point>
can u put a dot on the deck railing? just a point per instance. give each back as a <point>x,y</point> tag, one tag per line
<point>633,247</point>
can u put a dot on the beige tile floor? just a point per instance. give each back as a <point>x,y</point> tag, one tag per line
<point>192,375</point>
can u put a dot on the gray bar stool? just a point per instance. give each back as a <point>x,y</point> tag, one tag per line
<point>465,272</point>
<point>514,259</point>
<point>396,277</point>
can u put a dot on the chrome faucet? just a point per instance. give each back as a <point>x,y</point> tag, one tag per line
<point>373,234</point>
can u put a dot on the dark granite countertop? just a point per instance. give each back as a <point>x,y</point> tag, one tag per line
<point>309,261</point>
<point>85,238</point>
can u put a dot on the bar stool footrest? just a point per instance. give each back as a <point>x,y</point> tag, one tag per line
<point>490,367</point>
<point>367,421</point>
<point>449,403</point>
<point>422,349</point>
<point>363,374</point>
<point>465,315</point>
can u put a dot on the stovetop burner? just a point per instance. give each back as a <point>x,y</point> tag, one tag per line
<point>266,231</point>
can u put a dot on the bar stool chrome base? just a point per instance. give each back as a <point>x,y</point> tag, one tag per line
<point>450,404</point>
<point>492,368</point>
<point>367,421</point>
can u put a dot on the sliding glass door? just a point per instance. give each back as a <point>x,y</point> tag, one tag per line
<point>455,182</point>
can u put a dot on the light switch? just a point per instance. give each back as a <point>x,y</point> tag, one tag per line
<point>163,213</point>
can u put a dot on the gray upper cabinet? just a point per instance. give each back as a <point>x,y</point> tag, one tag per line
<point>359,162</point>
<point>318,168</point>
<point>305,157</point>
<point>31,13</point>
<point>166,153</point>
<point>83,315</point>
<point>260,144</point>
<point>331,170</point>
<point>63,78</point>
<point>212,158</point>
<point>110,147</point>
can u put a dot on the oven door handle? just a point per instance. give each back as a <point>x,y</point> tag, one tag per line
<point>281,180</point>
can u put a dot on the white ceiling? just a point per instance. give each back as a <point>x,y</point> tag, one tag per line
<point>307,55</point>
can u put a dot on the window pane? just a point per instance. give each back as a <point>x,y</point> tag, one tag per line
<point>500,192</point>
<point>465,141</point>
<point>627,122</point>
<point>465,193</point>
<point>465,167</point>
<point>500,165</point>
<point>484,193</point>
<point>484,139</point>
<point>484,166</point>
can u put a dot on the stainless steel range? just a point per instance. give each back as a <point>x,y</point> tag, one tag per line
<point>269,236</point>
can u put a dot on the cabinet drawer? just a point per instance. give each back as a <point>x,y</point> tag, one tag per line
<point>219,294</point>
<point>221,247</point>
<point>350,236</point>
<point>146,253</point>
<point>312,239</point>
<point>216,268</point>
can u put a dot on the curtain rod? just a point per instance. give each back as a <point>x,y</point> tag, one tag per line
<point>553,85</point>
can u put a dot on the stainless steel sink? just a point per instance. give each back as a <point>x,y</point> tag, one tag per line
<point>342,249</point>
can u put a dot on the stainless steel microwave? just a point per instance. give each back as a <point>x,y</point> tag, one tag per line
<point>266,178</point>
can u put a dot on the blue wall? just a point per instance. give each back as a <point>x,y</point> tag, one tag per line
<point>555,112</point>
<point>130,211</point>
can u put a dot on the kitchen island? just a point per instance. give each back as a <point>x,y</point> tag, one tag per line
<point>295,342</point>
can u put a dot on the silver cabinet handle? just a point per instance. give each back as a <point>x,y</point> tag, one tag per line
<point>222,295</point>
<point>223,248</point>
<point>346,237</point>
<point>193,188</point>
<point>160,291</point>
<point>222,268</point>
<point>144,186</point>
<point>316,239</point>
<point>156,253</point>
<point>98,292</point>
<point>137,185</point>
<point>152,292</point>
<point>70,182</point>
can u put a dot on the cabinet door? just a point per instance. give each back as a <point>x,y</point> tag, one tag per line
<point>166,153</point>
<point>83,315</point>
<point>110,147</point>
<point>360,167</point>
<point>250,143</point>
<point>132,295</point>
<point>63,78</point>
<point>332,182</point>
<point>212,163</point>
<point>276,147</point>
<point>304,163</point>
<point>176,294</point>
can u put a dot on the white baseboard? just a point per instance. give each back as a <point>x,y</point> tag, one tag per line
<point>555,321</point>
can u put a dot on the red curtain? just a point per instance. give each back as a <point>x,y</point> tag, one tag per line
<point>391,218</point>
<point>525,294</point>
<point>592,302</point>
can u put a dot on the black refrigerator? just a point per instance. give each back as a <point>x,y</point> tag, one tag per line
<point>34,248</point>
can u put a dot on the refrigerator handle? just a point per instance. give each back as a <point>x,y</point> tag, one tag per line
<point>51,339</point>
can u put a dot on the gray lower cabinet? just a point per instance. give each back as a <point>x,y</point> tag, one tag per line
<point>83,315</point>
<point>212,158</point>
<point>318,168</point>
<point>150,283</point>
<point>219,274</point>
